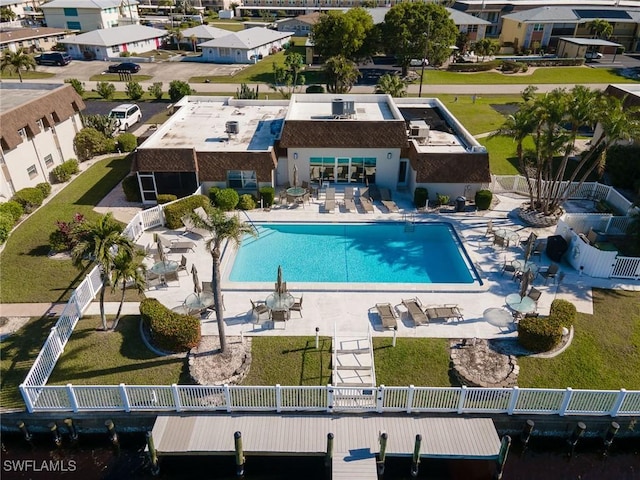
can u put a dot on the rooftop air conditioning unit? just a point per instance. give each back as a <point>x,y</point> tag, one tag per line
<point>337,107</point>
<point>418,129</point>
<point>232,128</point>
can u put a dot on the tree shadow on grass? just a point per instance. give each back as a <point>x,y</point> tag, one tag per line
<point>118,168</point>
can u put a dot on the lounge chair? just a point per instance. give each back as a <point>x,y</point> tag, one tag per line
<point>182,245</point>
<point>550,272</point>
<point>445,312</point>
<point>329,205</point>
<point>414,309</point>
<point>389,204</point>
<point>365,202</point>
<point>349,204</point>
<point>374,193</point>
<point>387,315</point>
<point>280,316</point>
<point>190,226</point>
<point>330,194</point>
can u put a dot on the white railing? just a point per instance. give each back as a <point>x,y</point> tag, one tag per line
<point>461,400</point>
<point>39,397</point>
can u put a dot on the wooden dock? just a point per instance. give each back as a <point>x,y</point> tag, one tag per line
<point>356,438</point>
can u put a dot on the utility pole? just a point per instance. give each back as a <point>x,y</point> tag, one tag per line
<point>424,60</point>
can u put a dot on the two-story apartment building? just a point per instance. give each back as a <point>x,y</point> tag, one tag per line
<point>87,15</point>
<point>38,123</point>
<point>41,39</point>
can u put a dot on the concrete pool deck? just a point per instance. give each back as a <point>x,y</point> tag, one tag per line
<point>354,312</point>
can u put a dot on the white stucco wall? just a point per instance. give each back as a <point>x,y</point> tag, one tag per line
<point>237,55</point>
<point>76,51</point>
<point>89,19</point>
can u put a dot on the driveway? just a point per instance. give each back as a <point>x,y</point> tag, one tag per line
<point>149,109</point>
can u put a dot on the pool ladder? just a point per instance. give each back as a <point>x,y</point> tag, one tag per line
<point>409,222</point>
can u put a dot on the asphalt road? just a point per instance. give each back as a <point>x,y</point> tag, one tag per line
<point>149,109</point>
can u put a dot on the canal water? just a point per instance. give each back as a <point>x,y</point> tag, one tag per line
<point>93,457</point>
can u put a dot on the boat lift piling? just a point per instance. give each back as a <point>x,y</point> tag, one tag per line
<point>415,462</point>
<point>237,437</point>
<point>383,452</point>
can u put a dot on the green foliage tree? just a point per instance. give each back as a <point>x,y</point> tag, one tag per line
<point>16,62</point>
<point>77,85</point>
<point>99,243</point>
<point>155,90</point>
<point>247,93</point>
<point>106,90</point>
<point>128,270</point>
<point>486,47</point>
<point>344,33</point>
<point>418,30</point>
<point>7,15</point>
<point>288,77</point>
<point>552,122</point>
<point>223,229</point>
<point>102,123</point>
<point>178,89</point>
<point>134,90</point>
<point>392,85</point>
<point>600,28</point>
<point>89,142</point>
<point>126,142</point>
<point>341,74</point>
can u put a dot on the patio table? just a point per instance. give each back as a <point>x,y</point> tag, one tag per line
<point>280,301</point>
<point>508,235</point>
<point>521,266</point>
<point>498,317</point>
<point>521,304</point>
<point>162,268</point>
<point>197,302</point>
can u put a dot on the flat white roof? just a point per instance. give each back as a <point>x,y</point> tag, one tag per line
<point>17,94</point>
<point>319,107</point>
<point>201,123</point>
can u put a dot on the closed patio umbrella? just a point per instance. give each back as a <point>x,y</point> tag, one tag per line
<point>530,244</point>
<point>295,175</point>
<point>197,288</point>
<point>161,255</point>
<point>279,285</point>
<point>527,277</point>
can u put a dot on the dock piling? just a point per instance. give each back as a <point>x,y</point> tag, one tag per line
<point>239,454</point>
<point>609,436</point>
<point>57,438</point>
<point>113,435</point>
<point>415,462</point>
<point>575,436</point>
<point>153,455</point>
<point>526,434</point>
<point>383,453</point>
<point>25,433</point>
<point>73,431</point>
<point>505,443</point>
<point>329,455</point>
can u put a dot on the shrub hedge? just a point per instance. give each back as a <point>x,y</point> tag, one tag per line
<point>131,189</point>
<point>483,199</point>
<point>539,334</point>
<point>177,210</point>
<point>474,67</point>
<point>6,224</point>
<point>246,202</point>
<point>45,188</point>
<point>227,199</point>
<point>13,208</point>
<point>213,195</point>
<point>30,198</point>
<point>267,194</point>
<point>420,197</point>
<point>564,311</point>
<point>166,198</point>
<point>63,172</point>
<point>315,89</point>
<point>126,142</point>
<point>170,331</point>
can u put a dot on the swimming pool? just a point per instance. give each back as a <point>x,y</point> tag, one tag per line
<point>365,253</point>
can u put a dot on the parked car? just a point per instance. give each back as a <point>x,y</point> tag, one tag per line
<point>593,55</point>
<point>128,67</point>
<point>127,115</point>
<point>416,62</point>
<point>53,58</point>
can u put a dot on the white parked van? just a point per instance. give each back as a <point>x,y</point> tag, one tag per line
<point>127,114</point>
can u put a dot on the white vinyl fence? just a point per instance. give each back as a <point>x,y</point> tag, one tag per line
<point>39,397</point>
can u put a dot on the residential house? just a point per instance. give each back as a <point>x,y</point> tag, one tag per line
<point>300,26</point>
<point>38,123</point>
<point>202,33</point>
<point>111,42</point>
<point>41,39</point>
<point>26,11</point>
<point>544,26</point>
<point>357,140</point>
<point>245,46</point>
<point>88,15</point>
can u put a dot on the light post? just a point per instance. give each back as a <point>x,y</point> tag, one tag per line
<point>424,61</point>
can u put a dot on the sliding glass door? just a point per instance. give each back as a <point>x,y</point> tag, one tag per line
<point>343,169</point>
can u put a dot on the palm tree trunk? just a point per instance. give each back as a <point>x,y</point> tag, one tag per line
<point>103,315</point>
<point>217,298</point>
<point>115,321</point>
<point>19,74</point>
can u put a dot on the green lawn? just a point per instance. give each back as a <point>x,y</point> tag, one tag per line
<point>30,75</point>
<point>114,77</point>
<point>479,116</point>
<point>27,273</point>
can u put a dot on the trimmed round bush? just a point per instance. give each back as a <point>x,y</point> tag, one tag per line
<point>213,195</point>
<point>63,172</point>
<point>170,331</point>
<point>58,241</point>
<point>45,188</point>
<point>483,199</point>
<point>6,224</point>
<point>126,142</point>
<point>539,334</point>
<point>30,198</point>
<point>267,194</point>
<point>315,89</point>
<point>246,202</point>
<point>227,199</point>
<point>166,198</point>
<point>174,212</point>
<point>13,208</point>
<point>442,199</point>
<point>131,189</point>
<point>420,197</point>
<point>564,312</point>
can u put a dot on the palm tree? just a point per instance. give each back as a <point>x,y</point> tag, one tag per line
<point>17,61</point>
<point>99,242</point>
<point>601,28</point>
<point>127,268</point>
<point>392,85</point>
<point>222,229</point>
<point>341,74</point>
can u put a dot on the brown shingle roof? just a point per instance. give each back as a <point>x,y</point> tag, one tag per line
<point>54,107</point>
<point>343,134</point>
<point>25,33</point>
<point>165,160</point>
<point>450,167</point>
<point>213,166</point>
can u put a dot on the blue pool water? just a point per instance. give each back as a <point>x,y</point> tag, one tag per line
<point>353,253</point>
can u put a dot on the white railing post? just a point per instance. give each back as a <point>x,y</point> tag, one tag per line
<point>616,406</point>
<point>227,397</point>
<point>176,397</point>
<point>26,398</point>
<point>278,398</point>
<point>72,398</point>
<point>410,393</point>
<point>565,401</point>
<point>380,399</point>
<point>330,398</point>
<point>513,401</point>
<point>463,397</point>
<point>125,397</point>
